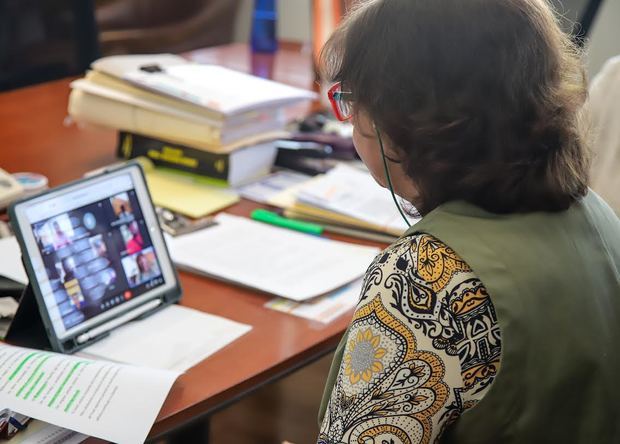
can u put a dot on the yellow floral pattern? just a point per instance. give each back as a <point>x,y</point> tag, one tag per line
<point>364,356</point>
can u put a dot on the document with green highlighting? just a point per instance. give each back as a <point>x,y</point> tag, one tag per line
<point>111,401</point>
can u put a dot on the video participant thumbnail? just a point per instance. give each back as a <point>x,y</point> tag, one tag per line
<point>66,270</point>
<point>122,206</point>
<point>98,246</point>
<point>141,267</point>
<point>132,237</point>
<point>54,234</point>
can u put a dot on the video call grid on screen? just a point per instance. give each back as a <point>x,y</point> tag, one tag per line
<point>96,256</point>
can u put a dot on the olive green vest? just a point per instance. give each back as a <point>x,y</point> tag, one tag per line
<point>554,279</point>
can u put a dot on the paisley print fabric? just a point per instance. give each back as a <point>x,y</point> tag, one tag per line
<point>424,346</point>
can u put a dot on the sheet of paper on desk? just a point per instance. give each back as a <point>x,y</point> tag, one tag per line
<point>11,263</point>
<point>175,338</point>
<point>275,260</point>
<point>324,308</point>
<point>115,402</point>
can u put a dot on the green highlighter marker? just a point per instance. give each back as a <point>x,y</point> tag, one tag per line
<point>272,218</point>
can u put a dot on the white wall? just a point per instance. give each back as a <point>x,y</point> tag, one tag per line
<point>293,20</point>
<point>604,41</point>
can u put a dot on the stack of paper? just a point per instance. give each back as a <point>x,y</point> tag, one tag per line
<point>275,260</point>
<point>350,197</point>
<point>165,96</point>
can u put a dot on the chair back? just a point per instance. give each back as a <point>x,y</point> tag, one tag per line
<point>42,40</point>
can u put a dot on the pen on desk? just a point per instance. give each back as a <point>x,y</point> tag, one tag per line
<point>349,231</point>
<point>360,234</point>
<point>272,218</point>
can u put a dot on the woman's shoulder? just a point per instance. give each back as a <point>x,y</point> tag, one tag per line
<point>420,283</point>
<point>421,307</point>
<point>419,262</point>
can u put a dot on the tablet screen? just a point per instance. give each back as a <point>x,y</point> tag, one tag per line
<point>95,251</point>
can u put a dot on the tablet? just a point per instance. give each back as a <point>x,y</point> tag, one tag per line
<point>95,255</point>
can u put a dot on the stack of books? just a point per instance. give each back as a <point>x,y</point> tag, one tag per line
<point>202,119</point>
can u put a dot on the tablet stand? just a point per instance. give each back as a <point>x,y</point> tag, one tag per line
<point>27,328</point>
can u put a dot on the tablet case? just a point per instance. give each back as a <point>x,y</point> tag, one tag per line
<point>29,329</point>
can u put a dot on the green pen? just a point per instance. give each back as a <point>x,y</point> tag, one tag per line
<point>272,218</point>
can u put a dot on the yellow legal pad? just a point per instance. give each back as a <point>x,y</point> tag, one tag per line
<point>186,194</point>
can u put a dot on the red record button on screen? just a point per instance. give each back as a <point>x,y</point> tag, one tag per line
<point>127,295</point>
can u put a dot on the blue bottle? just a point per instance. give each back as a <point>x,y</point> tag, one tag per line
<point>264,26</point>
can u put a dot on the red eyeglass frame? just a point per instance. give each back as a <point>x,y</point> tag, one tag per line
<point>333,100</point>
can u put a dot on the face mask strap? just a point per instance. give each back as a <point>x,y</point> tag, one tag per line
<point>387,177</point>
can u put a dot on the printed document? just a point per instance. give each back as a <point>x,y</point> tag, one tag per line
<point>183,337</point>
<point>110,401</point>
<point>275,260</point>
<point>323,309</point>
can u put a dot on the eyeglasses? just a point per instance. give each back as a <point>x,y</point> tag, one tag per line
<point>341,102</point>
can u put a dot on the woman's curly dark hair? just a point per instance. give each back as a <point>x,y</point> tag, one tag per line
<point>482,98</point>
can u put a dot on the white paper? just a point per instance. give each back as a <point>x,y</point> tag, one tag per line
<point>39,432</point>
<point>119,65</point>
<point>217,88</point>
<point>282,262</point>
<point>352,192</point>
<point>324,308</point>
<point>176,338</point>
<point>211,125</point>
<point>110,401</point>
<point>8,307</point>
<point>11,260</point>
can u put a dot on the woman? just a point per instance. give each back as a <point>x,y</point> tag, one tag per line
<point>60,237</point>
<point>496,318</point>
<point>147,268</point>
<point>135,242</point>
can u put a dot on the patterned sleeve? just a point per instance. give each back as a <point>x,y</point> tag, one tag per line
<point>423,346</point>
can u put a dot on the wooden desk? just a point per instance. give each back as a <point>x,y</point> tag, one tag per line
<point>34,139</point>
